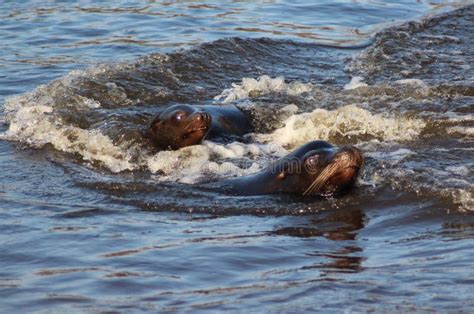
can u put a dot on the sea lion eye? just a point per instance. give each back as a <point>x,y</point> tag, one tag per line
<point>312,162</point>
<point>313,159</point>
<point>179,116</point>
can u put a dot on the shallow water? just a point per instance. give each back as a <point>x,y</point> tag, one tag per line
<point>93,220</point>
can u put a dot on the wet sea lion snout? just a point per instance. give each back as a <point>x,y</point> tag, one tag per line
<point>179,126</point>
<point>338,173</point>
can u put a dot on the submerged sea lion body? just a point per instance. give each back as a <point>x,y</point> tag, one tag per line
<point>184,125</point>
<point>316,168</point>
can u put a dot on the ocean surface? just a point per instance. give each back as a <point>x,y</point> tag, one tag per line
<point>94,221</point>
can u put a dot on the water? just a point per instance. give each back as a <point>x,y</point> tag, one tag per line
<point>93,220</point>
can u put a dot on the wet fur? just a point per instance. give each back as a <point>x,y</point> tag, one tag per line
<point>334,172</point>
<point>196,124</point>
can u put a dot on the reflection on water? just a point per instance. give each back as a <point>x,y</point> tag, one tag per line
<point>336,226</point>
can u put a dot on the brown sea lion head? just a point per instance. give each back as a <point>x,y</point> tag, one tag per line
<point>179,126</point>
<point>331,171</point>
<point>316,168</point>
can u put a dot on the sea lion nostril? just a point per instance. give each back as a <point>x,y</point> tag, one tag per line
<point>203,117</point>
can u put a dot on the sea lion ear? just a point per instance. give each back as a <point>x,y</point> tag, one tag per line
<point>281,176</point>
<point>156,119</point>
<point>153,127</point>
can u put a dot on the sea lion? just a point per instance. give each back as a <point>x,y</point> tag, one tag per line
<point>184,125</point>
<point>316,168</point>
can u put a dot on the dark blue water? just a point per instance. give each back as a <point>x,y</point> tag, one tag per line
<point>94,221</point>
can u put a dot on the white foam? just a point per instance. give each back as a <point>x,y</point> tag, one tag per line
<point>182,164</point>
<point>459,170</point>
<point>355,82</point>
<point>349,121</point>
<point>413,82</point>
<point>466,131</point>
<point>263,84</point>
<point>464,198</point>
<point>193,163</point>
<point>38,126</point>
<point>32,119</point>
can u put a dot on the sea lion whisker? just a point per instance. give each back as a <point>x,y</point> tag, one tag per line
<point>320,180</point>
<point>324,177</point>
<point>311,187</point>
<point>317,184</point>
<point>309,190</point>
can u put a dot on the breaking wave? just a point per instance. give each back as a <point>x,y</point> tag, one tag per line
<point>399,109</point>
